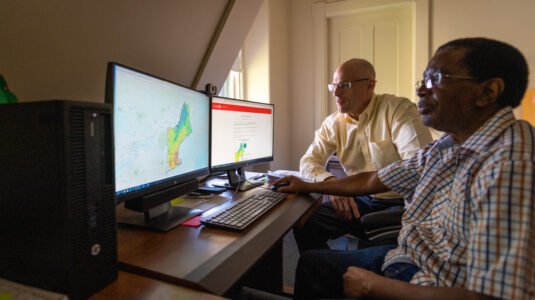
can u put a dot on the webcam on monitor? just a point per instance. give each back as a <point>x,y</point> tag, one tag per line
<point>210,89</point>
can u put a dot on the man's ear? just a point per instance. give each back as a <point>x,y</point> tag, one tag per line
<point>492,90</point>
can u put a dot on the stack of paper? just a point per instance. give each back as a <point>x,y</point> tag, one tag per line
<point>274,175</point>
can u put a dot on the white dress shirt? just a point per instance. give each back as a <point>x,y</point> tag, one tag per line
<point>388,130</point>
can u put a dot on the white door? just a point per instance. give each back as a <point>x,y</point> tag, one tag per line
<point>382,37</point>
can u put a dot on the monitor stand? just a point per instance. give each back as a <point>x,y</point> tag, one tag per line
<point>155,211</point>
<point>237,179</point>
<point>163,217</point>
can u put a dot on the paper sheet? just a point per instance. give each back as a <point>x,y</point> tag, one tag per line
<point>273,175</point>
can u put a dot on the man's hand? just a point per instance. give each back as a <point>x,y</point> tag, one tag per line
<point>359,282</point>
<point>295,185</point>
<point>345,206</point>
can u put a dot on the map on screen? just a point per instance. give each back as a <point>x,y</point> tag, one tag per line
<point>160,130</point>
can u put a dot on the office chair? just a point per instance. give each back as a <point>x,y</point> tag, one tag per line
<point>379,228</point>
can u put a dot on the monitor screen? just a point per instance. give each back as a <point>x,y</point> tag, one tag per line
<point>242,133</point>
<point>161,137</point>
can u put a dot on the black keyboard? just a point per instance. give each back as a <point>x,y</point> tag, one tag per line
<point>244,212</point>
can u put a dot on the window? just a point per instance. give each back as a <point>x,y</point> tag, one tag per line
<point>233,86</point>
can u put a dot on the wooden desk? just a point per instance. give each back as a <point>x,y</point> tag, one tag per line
<point>133,286</point>
<point>204,258</point>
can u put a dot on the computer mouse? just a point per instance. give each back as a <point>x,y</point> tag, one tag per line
<point>275,187</point>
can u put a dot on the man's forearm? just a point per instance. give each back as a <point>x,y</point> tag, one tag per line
<point>365,183</point>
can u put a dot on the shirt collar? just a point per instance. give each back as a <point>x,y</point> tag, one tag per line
<point>445,142</point>
<point>486,134</point>
<point>490,130</point>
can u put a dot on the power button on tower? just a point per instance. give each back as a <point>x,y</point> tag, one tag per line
<point>95,250</point>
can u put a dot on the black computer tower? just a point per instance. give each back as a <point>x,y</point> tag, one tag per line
<point>57,209</point>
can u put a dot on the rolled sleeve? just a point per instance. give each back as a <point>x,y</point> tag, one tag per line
<point>402,176</point>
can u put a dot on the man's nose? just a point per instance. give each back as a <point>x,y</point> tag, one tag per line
<point>337,91</point>
<point>422,90</point>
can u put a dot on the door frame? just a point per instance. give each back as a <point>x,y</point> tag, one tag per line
<point>322,12</point>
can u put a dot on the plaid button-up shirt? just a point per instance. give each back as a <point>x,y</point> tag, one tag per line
<point>471,218</point>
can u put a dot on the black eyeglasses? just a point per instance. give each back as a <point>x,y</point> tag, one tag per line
<point>435,79</point>
<point>344,84</point>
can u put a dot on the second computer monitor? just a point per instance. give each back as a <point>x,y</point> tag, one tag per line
<point>242,135</point>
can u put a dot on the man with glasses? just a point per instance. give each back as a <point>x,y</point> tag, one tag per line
<point>468,232</point>
<point>367,133</point>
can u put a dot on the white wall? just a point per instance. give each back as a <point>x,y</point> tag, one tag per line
<point>301,80</point>
<point>266,78</point>
<point>509,21</point>
<point>230,41</point>
<point>256,58</point>
<point>279,80</point>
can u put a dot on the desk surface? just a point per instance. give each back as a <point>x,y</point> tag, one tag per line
<point>133,286</point>
<point>206,258</point>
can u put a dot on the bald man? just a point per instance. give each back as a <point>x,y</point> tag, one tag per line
<point>367,133</point>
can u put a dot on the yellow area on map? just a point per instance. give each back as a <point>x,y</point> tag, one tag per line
<point>238,154</point>
<point>176,135</point>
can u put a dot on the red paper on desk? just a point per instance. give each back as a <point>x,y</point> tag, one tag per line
<point>193,222</point>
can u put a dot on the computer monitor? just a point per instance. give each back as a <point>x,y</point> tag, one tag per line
<point>242,135</point>
<point>161,141</point>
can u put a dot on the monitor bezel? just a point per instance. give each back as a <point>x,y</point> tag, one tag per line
<point>170,181</point>
<point>242,164</point>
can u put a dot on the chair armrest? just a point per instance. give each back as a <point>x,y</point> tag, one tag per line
<point>382,219</point>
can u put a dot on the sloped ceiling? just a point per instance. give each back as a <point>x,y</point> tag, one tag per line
<point>229,42</point>
<point>58,49</point>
